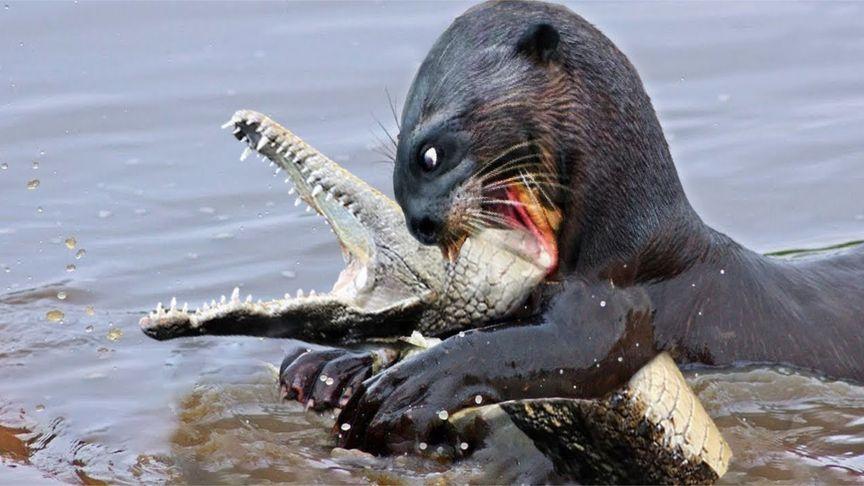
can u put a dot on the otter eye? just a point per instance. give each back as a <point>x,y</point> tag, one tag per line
<point>430,159</point>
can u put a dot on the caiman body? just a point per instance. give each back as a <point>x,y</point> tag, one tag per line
<point>654,429</point>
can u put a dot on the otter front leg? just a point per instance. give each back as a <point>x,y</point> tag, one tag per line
<point>581,354</point>
<point>325,379</point>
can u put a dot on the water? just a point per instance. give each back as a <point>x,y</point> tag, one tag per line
<point>114,109</point>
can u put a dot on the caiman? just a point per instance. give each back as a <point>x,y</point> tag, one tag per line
<point>652,430</point>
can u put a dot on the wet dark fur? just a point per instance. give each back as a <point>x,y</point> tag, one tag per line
<point>639,272</point>
<point>627,219</point>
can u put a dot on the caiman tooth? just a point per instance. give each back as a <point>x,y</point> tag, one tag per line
<point>262,142</point>
<point>185,307</point>
<point>236,129</point>
<point>228,124</point>
<point>299,293</point>
<point>249,298</point>
<point>260,128</point>
<point>235,295</point>
<point>173,303</point>
<point>159,308</point>
<point>245,154</point>
<point>222,300</point>
<point>317,190</point>
<point>296,202</point>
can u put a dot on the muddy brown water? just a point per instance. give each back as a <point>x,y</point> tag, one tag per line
<point>119,104</point>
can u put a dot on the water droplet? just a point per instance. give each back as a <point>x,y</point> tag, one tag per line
<point>55,315</point>
<point>61,295</point>
<point>329,381</point>
<point>114,334</point>
<point>602,303</point>
<point>71,267</point>
<point>7,269</point>
<point>206,210</point>
<point>463,446</point>
<point>35,165</point>
<point>620,359</point>
<point>33,184</point>
<point>39,209</point>
<point>323,378</point>
<point>443,415</point>
<point>88,328</point>
<point>423,446</point>
<point>289,274</point>
<point>346,427</point>
<point>40,408</point>
<point>89,310</point>
<point>71,242</point>
<point>80,253</point>
<point>104,213</point>
<point>461,333</point>
<point>722,272</point>
<point>478,399</point>
<point>4,166</point>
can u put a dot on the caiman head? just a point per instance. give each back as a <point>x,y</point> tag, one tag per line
<point>391,284</point>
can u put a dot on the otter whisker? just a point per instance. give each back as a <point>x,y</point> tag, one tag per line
<point>393,110</point>
<point>546,180</point>
<point>508,150</point>
<point>538,178</point>
<point>512,164</point>
<point>386,132</point>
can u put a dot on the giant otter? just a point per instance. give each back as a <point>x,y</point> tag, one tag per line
<point>525,116</point>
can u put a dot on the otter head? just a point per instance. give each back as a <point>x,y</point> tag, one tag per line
<point>476,151</point>
<point>526,118</point>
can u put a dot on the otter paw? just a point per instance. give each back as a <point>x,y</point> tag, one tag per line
<point>405,408</point>
<point>324,379</point>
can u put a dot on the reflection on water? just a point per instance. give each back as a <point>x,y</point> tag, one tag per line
<point>119,190</point>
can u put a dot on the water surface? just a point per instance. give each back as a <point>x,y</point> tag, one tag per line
<point>115,107</point>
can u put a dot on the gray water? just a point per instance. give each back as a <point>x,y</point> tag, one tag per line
<point>119,104</point>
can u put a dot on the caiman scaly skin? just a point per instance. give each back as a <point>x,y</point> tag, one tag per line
<point>652,431</point>
<point>654,428</point>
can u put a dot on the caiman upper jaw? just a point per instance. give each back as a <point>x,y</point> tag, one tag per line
<point>387,272</point>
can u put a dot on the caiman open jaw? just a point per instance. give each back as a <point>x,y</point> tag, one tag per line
<point>387,272</point>
<point>391,284</point>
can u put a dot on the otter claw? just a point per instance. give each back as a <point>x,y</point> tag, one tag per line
<point>323,379</point>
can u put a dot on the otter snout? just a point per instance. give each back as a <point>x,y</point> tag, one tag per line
<point>426,228</point>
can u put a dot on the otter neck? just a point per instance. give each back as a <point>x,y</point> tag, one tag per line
<point>631,215</point>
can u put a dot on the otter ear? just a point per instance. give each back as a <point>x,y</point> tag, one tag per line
<point>539,43</point>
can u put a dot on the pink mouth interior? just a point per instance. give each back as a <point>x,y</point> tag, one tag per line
<point>540,242</point>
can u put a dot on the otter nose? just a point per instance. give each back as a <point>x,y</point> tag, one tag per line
<point>425,229</point>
